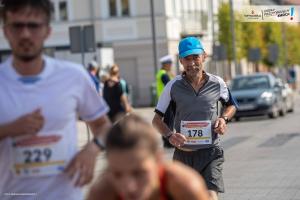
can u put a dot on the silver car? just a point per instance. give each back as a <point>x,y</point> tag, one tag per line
<point>258,94</point>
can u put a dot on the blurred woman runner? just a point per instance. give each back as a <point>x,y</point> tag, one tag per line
<point>136,170</point>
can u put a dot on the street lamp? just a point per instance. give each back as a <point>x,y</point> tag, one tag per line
<point>153,36</point>
<point>233,33</point>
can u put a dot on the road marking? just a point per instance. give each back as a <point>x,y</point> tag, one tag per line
<point>279,140</point>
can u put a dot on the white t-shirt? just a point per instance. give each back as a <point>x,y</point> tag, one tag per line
<point>62,91</point>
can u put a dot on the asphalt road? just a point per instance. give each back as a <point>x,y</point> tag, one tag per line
<point>262,157</point>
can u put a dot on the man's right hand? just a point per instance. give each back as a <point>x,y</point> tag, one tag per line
<point>177,139</point>
<point>28,124</point>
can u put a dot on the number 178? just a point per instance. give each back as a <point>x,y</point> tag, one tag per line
<point>195,133</point>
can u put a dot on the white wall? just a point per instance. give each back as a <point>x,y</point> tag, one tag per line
<point>131,37</point>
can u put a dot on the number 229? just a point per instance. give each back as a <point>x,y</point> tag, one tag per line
<point>37,155</point>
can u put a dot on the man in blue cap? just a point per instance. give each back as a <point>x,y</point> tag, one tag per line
<point>195,94</point>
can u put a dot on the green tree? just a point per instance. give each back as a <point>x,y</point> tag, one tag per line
<point>225,35</point>
<point>293,44</point>
<point>252,37</point>
<point>272,35</point>
<point>224,28</point>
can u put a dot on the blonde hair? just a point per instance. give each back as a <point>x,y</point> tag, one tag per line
<point>114,70</point>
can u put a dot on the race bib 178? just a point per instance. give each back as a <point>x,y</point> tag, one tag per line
<point>196,132</point>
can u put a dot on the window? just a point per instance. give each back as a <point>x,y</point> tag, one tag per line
<point>63,11</point>
<point>255,82</point>
<point>184,8</point>
<point>112,8</point>
<point>204,20</point>
<point>204,14</point>
<point>125,8</point>
<point>119,8</point>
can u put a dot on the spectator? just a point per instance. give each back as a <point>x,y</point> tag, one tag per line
<point>114,94</point>
<point>93,69</point>
<point>163,76</point>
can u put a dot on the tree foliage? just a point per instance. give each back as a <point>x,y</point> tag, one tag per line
<point>293,45</point>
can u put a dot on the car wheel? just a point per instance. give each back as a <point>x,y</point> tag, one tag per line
<point>291,109</point>
<point>283,110</point>
<point>237,119</point>
<point>274,113</point>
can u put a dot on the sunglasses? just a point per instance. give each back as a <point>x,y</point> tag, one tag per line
<point>33,27</point>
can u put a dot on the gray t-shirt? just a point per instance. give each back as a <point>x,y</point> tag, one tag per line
<point>191,105</point>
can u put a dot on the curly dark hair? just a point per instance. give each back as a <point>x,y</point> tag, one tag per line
<point>15,5</point>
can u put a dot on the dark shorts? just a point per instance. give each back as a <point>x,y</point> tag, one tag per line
<point>208,162</point>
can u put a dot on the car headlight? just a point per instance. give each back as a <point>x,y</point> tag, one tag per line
<point>266,96</point>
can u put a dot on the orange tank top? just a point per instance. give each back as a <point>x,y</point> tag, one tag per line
<point>163,180</point>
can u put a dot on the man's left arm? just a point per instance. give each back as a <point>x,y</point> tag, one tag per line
<point>221,122</point>
<point>92,109</point>
<point>85,160</point>
<point>229,110</point>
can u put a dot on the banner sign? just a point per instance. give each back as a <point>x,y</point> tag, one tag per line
<point>270,14</point>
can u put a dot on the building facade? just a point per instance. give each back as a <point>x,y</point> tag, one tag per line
<point>123,34</point>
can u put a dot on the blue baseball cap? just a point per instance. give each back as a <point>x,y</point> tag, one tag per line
<point>190,46</point>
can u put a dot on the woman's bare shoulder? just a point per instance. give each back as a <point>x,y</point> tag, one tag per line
<point>102,188</point>
<point>185,182</point>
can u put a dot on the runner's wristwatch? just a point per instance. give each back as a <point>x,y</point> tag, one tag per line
<point>168,135</point>
<point>225,118</point>
<point>99,143</point>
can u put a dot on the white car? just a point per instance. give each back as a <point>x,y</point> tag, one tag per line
<point>288,96</point>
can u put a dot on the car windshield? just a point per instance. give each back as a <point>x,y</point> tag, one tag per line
<point>251,82</point>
